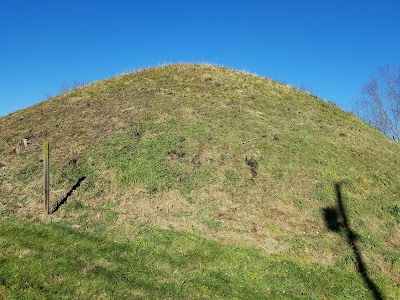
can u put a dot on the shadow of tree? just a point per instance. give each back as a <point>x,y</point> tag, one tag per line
<point>63,200</point>
<point>336,220</point>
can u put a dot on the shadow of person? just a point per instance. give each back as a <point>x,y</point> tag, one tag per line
<point>336,220</point>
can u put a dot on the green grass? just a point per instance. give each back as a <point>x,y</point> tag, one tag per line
<point>53,261</point>
<point>158,156</point>
<point>395,211</point>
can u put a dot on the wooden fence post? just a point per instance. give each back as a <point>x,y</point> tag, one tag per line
<point>46,172</point>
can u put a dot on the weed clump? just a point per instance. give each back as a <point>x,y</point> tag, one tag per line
<point>253,165</point>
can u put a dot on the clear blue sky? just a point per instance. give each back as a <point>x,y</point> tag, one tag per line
<point>331,47</point>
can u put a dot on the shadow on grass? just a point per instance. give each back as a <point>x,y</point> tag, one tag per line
<point>336,220</point>
<point>63,200</point>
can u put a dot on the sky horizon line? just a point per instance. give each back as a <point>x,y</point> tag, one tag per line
<point>330,48</point>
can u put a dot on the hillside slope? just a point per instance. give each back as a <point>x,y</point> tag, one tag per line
<point>214,152</point>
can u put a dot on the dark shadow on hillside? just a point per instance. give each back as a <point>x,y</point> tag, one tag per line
<point>336,220</point>
<point>63,200</point>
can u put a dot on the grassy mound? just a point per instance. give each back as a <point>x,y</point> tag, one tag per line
<point>204,151</point>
